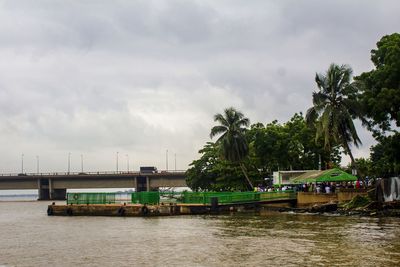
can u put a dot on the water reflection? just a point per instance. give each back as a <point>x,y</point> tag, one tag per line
<point>304,239</point>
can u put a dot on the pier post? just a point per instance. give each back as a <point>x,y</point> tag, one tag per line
<point>214,204</point>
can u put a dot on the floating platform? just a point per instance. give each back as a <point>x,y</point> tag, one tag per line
<point>152,203</point>
<point>139,210</point>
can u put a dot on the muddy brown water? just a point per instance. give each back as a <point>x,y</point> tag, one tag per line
<point>28,237</point>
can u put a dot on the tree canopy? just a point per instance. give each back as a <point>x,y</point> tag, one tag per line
<point>233,143</point>
<point>334,107</point>
<point>381,86</point>
<point>271,147</point>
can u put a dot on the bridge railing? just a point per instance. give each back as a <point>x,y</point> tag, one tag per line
<point>162,172</point>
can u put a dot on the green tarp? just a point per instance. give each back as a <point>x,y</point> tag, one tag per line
<point>332,175</point>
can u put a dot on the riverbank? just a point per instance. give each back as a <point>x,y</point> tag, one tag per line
<point>359,205</point>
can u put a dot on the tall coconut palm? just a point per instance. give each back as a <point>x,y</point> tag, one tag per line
<point>232,140</point>
<point>335,107</point>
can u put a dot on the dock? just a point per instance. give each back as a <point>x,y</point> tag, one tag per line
<point>158,204</point>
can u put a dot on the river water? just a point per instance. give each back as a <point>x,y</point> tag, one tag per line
<point>28,237</point>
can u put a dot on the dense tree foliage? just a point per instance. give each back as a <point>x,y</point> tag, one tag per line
<point>381,86</point>
<point>232,141</point>
<point>272,147</point>
<point>380,98</point>
<point>385,156</point>
<point>334,107</point>
<point>212,172</point>
<point>289,146</point>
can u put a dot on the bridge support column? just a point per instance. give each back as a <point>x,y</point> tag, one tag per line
<point>43,188</point>
<point>39,191</point>
<point>142,183</point>
<point>46,191</point>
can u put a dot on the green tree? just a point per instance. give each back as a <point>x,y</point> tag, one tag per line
<point>202,173</point>
<point>381,86</point>
<point>365,167</point>
<point>304,151</point>
<point>334,107</point>
<point>385,156</point>
<point>380,98</point>
<point>211,172</point>
<point>288,146</point>
<point>234,146</point>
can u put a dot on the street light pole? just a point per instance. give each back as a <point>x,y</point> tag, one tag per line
<point>37,164</point>
<point>69,162</point>
<point>117,160</point>
<point>22,163</point>
<point>127,162</point>
<point>166,160</point>
<point>82,163</point>
<point>175,161</point>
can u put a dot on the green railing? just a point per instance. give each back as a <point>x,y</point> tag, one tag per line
<point>223,197</point>
<point>235,197</point>
<point>178,197</point>
<point>145,197</point>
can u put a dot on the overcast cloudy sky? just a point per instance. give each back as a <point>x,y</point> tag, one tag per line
<point>141,77</point>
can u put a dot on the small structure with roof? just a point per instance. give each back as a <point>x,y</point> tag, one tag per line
<point>331,175</point>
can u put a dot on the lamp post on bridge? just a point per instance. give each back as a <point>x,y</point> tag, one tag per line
<point>69,162</point>
<point>37,164</point>
<point>82,163</point>
<point>166,160</point>
<point>117,160</point>
<point>22,163</point>
<point>127,162</point>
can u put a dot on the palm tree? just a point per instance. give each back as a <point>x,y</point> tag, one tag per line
<point>335,107</point>
<point>232,140</point>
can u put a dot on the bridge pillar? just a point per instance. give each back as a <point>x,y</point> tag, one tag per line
<point>47,192</point>
<point>39,191</point>
<point>43,189</point>
<point>142,183</point>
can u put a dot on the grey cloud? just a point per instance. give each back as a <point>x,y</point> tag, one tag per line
<point>141,77</point>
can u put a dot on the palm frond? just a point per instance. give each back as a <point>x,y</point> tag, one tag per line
<point>216,130</point>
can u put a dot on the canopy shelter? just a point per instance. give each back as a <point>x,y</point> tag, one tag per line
<point>331,175</point>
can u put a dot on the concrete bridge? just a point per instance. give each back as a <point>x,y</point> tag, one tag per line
<point>53,186</point>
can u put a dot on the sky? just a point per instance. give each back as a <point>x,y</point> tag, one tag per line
<point>140,81</point>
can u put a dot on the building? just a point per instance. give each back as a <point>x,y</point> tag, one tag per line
<point>283,177</point>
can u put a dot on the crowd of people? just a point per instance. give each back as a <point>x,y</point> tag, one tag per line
<point>319,188</point>
<point>330,187</point>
